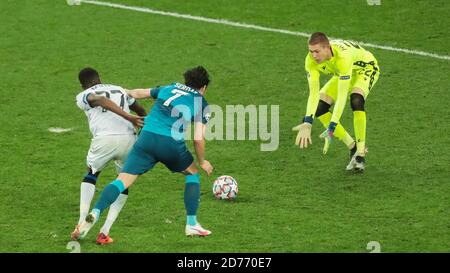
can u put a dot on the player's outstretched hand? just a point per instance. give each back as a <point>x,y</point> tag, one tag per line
<point>303,135</point>
<point>207,167</point>
<point>327,137</point>
<point>136,120</point>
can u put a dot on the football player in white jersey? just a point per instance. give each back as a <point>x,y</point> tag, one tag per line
<point>107,108</point>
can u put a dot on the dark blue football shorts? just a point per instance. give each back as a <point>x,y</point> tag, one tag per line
<point>151,148</point>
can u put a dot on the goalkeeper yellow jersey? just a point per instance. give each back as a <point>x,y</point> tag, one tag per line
<point>346,61</point>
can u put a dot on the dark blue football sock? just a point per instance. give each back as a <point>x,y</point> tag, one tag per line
<point>192,198</point>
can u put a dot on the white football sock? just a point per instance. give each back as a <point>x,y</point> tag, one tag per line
<point>113,212</point>
<point>87,193</point>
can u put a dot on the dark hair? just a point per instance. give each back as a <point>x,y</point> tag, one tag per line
<point>88,77</point>
<point>318,38</point>
<point>196,77</point>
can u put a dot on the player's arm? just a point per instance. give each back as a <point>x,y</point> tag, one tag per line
<point>138,109</point>
<point>313,99</point>
<point>199,146</point>
<point>140,93</point>
<point>108,104</point>
<point>143,93</point>
<point>344,65</point>
<point>304,129</point>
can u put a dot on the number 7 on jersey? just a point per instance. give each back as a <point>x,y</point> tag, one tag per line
<point>178,93</point>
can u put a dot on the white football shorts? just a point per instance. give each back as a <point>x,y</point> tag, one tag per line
<point>107,148</point>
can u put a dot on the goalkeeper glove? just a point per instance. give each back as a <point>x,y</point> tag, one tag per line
<point>327,136</point>
<point>304,133</point>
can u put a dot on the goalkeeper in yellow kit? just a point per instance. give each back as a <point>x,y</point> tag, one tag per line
<point>354,73</point>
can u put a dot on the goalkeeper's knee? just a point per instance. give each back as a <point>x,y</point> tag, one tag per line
<point>322,108</point>
<point>357,102</point>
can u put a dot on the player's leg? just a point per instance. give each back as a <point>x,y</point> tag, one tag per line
<point>328,95</point>
<point>191,202</point>
<point>107,197</point>
<point>87,191</point>
<point>139,161</point>
<point>177,158</point>
<point>359,122</point>
<point>123,147</point>
<point>112,191</point>
<point>113,212</point>
<point>191,193</point>
<point>363,82</point>
<point>100,153</point>
<point>103,236</point>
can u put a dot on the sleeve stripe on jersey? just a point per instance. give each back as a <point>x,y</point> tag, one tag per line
<point>85,98</point>
<point>154,92</point>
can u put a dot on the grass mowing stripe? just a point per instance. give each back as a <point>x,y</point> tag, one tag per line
<point>256,27</point>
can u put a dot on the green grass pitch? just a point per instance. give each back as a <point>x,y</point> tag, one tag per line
<point>290,200</point>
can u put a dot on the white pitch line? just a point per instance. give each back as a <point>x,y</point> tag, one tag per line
<point>256,27</point>
<point>59,130</point>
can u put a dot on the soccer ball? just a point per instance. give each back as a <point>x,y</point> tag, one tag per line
<point>225,187</point>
